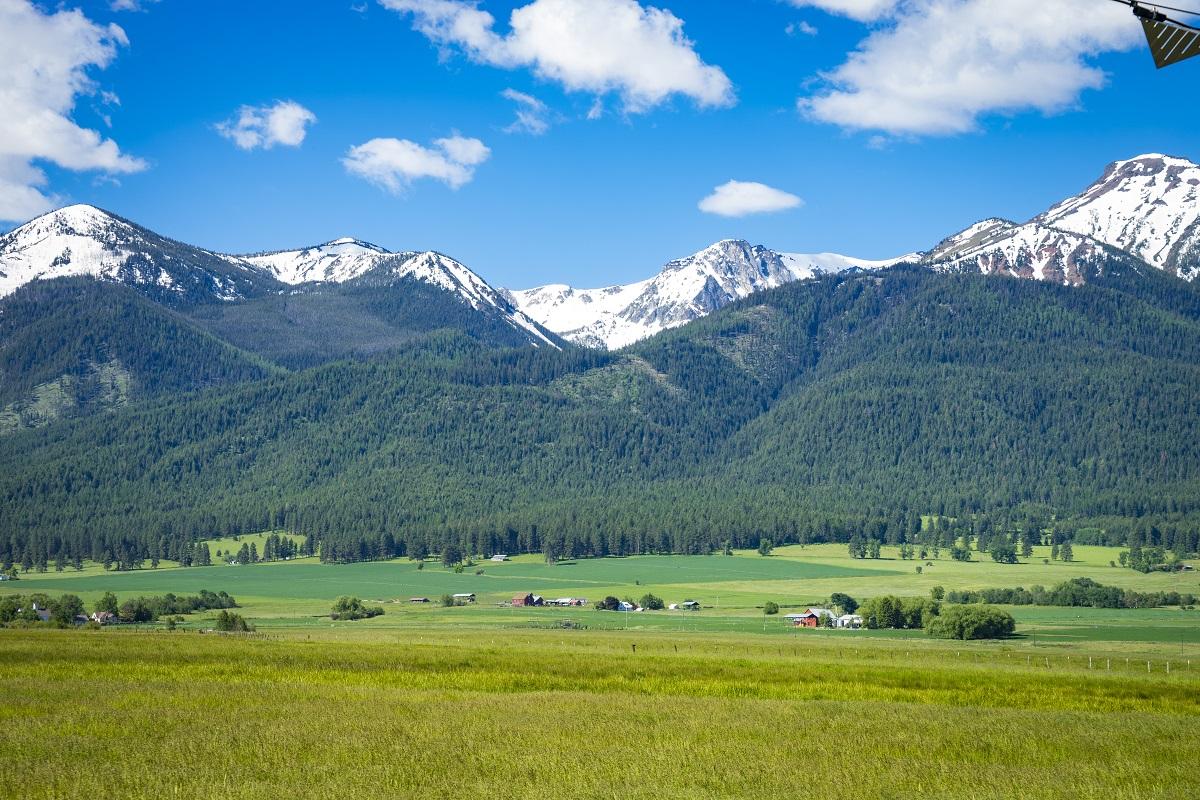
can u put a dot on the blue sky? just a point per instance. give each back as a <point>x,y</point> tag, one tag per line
<point>882,168</point>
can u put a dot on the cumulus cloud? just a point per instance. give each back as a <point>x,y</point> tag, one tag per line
<point>743,198</point>
<point>531,113</point>
<point>44,63</point>
<point>394,164</point>
<point>936,66</point>
<point>595,46</point>
<point>284,122</point>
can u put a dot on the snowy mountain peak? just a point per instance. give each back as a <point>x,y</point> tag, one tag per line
<point>333,262</point>
<point>82,240</point>
<point>1148,206</point>
<point>685,289</point>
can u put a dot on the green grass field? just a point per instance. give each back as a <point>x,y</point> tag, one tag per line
<point>385,713</point>
<point>732,588</point>
<point>490,701</point>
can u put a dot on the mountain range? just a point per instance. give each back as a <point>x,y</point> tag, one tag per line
<point>1147,207</point>
<point>384,403</point>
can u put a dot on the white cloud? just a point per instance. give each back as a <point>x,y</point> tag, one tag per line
<point>395,163</point>
<point>130,5</point>
<point>937,66</point>
<point>284,122</point>
<point>44,62</point>
<point>743,198</point>
<point>531,113</point>
<point>864,10</point>
<point>801,27</point>
<point>595,46</point>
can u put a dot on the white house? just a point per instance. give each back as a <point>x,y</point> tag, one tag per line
<point>849,621</point>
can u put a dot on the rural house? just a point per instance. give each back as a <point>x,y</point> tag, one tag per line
<point>528,600</point>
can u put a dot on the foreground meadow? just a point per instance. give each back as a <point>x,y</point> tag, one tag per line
<point>580,714</point>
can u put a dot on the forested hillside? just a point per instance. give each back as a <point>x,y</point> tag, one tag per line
<point>76,346</point>
<point>847,406</point>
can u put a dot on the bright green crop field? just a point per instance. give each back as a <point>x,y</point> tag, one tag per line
<point>490,701</point>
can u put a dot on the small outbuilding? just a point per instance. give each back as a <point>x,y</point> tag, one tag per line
<point>499,557</point>
<point>852,621</point>
<point>464,597</point>
<point>689,605</point>
<point>418,599</point>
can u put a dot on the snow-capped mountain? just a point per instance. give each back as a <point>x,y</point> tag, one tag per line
<point>337,261</point>
<point>1148,206</point>
<point>84,240</point>
<point>81,240</point>
<point>1032,251</point>
<point>356,263</point>
<point>684,290</point>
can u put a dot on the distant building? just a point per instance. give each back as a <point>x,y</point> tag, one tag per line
<point>499,557</point>
<point>812,618</point>
<point>688,605</point>
<point>464,597</point>
<point>418,599</point>
<point>849,621</point>
<point>104,617</point>
<point>528,600</point>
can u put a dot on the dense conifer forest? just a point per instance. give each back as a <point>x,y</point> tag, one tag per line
<point>846,408</point>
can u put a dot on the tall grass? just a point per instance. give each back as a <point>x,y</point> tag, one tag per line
<point>568,715</point>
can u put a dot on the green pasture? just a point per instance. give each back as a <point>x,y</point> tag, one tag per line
<point>732,589</point>
<point>366,714</point>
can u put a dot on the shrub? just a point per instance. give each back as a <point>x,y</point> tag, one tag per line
<point>652,603</point>
<point>609,603</point>
<point>972,622</point>
<point>771,608</point>
<point>232,623</point>
<point>448,600</point>
<point>351,608</point>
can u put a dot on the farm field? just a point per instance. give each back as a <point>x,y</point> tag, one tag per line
<point>296,595</point>
<point>379,713</point>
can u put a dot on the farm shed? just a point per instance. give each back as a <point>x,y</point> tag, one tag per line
<point>528,600</point>
<point>464,597</point>
<point>418,599</point>
<point>499,557</point>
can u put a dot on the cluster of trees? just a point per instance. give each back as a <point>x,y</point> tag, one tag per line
<point>972,622</point>
<point>276,547</point>
<point>228,622</point>
<point>150,609</point>
<point>888,611</point>
<point>1151,558</point>
<point>996,418</point>
<point>22,611</point>
<point>1075,592</point>
<point>351,608</point>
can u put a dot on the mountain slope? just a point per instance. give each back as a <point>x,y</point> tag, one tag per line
<point>823,406</point>
<point>685,289</point>
<point>104,346</point>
